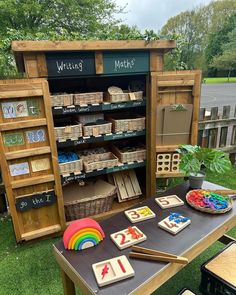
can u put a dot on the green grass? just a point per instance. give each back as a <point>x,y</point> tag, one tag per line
<point>220,80</point>
<point>30,269</point>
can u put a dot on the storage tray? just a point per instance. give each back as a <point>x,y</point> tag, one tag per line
<point>59,100</point>
<point>125,96</point>
<point>122,122</point>
<point>71,167</point>
<point>88,98</point>
<point>68,132</point>
<point>130,156</point>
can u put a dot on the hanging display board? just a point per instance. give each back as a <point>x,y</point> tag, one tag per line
<point>28,158</point>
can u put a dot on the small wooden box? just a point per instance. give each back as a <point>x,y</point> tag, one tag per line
<point>130,156</point>
<point>71,167</point>
<point>88,98</point>
<point>125,96</point>
<point>127,122</point>
<point>58,100</point>
<point>68,132</point>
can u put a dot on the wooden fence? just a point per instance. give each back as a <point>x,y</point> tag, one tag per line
<point>217,129</point>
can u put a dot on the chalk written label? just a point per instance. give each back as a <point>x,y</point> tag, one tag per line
<point>70,64</point>
<point>35,201</point>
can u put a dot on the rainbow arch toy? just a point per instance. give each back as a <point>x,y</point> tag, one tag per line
<point>82,233</point>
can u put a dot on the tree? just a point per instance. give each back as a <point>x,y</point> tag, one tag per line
<point>227,60</point>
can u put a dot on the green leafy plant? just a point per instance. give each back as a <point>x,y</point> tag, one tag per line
<point>194,159</point>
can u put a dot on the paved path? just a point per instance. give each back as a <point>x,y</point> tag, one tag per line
<point>214,95</point>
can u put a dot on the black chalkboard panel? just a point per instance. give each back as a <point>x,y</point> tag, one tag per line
<point>35,201</point>
<point>70,64</point>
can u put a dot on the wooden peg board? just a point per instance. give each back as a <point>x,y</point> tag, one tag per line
<point>29,158</point>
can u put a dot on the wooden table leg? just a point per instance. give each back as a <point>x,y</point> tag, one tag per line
<point>68,284</point>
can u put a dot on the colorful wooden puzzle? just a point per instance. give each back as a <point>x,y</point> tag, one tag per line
<point>112,270</point>
<point>174,223</point>
<point>128,237</point>
<point>169,201</point>
<point>82,233</point>
<point>139,214</point>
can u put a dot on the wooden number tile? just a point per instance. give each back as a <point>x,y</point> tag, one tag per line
<point>112,270</point>
<point>172,226</point>
<point>187,292</point>
<point>128,237</point>
<point>139,214</point>
<point>169,201</point>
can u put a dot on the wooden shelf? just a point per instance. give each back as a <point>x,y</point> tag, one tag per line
<point>121,167</point>
<point>106,106</point>
<point>41,232</point>
<point>22,124</point>
<point>169,174</point>
<point>32,181</point>
<point>166,148</point>
<point>28,153</point>
<point>106,137</point>
<point>116,208</point>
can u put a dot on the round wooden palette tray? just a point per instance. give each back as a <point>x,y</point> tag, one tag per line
<point>208,210</point>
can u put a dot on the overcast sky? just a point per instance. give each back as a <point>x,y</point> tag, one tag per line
<point>153,14</point>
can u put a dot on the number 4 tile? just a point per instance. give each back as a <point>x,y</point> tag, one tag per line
<point>128,237</point>
<point>172,226</point>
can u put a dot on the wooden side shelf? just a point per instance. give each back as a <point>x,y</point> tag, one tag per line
<point>41,232</point>
<point>169,174</point>
<point>28,153</point>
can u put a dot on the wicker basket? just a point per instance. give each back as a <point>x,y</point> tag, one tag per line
<point>59,100</point>
<point>130,156</point>
<point>88,98</point>
<point>71,167</point>
<point>84,119</point>
<point>68,132</point>
<point>99,161</point>
<point>85,201</point>
<point>125,96</point>
<point>96,130</point>
<point>209,210</point>
<point>122,123</point>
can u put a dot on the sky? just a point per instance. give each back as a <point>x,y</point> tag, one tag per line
<point>153,14</point>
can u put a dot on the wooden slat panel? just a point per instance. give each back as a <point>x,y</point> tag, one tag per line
<point>23,93</point>
<point>23,124</point>
<point>43,46</point>
<point>196,106</point>
<point>99,62</point>
<point>28,153</point>
<point>42,65</point>
<point>41,232</point>
<point>32,181</point>
<point>176,83</point>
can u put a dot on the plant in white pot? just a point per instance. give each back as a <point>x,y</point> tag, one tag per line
<point>195,161</point>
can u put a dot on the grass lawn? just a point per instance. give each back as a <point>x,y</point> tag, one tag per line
<point>30,269</point>
<point>220,80</point>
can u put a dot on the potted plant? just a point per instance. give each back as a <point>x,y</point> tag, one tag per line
<point>195,161</point>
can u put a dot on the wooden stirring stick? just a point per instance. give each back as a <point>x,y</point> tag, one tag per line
<point>149,254</point>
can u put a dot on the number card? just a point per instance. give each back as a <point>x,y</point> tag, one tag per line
<point>37,135</point>
<point>112,270</point>
<point>173,226</point>
<point>169,201</point>
<point>8,109</point>
<point>13,138</point>
<point>139,214</point>
<point>21,109</point>
<point>19,169</point>
<point>40,165</point>
<point>128,237</point>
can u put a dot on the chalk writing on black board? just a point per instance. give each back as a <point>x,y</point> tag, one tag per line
<point>124,64</point>
<point>69,66</point>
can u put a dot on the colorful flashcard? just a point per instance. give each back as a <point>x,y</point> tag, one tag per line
<point>112,270</point>
<point>169,201</point>
<point>19,169</point>
<point>139,214</point>
<point>21,109</point>
<point>13,138</point>
<point>40,165</point>
<point>174,223</point>
<point>33,107</point>
<point>8,109</point>
<point>37,135</point>
<point>128,237</point>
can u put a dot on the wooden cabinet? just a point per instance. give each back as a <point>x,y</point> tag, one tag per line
<point>85,66</point>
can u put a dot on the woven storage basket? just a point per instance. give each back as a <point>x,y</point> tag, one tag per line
<point>85,201</point>
<point>99,161</point>
<point>126,157</point>
<point>70,167</point>
<point>84,119</point>
<point>125,96</point>
<point>88,98</point>
<point>96,130</point>
<point>68,132</point>
<point>59,100</point>
<point>122,123</point>
<point>209,210</point>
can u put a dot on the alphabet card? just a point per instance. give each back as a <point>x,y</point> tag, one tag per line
<point>139,214</point>
<point>128,237</point>
<point>169,201</point>
<point>112,270</point>
<point>174,223</point>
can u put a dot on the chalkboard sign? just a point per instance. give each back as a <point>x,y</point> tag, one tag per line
<point>35,201</point>
<point>125,62</point>
<point>70,64</point>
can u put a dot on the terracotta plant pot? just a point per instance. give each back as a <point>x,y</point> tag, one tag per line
<point>196,181</point>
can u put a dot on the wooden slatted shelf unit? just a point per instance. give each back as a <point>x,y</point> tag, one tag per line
<point>105,63</point>
<point>28,158</point>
